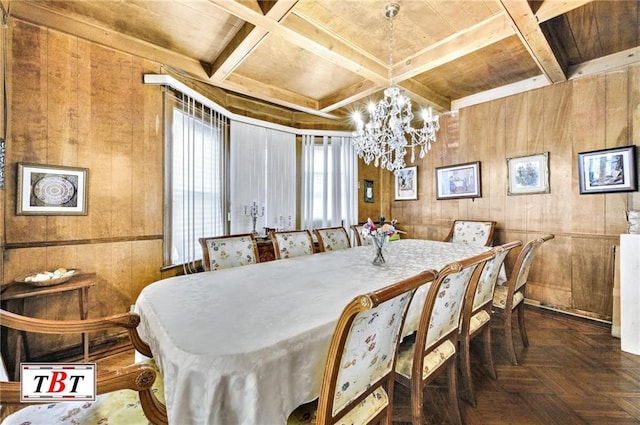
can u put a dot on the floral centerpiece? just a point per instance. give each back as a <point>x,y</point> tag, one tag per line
<point>379,234</point>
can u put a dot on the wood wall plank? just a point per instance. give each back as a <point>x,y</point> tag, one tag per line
<point>558,142</point>
<point>28,127</point>
<point>588,126</point>
<point>616,134</point>
<point>592,286</point>
<point>516,136</point>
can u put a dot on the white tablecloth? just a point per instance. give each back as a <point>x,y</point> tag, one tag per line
<point>247,345</point>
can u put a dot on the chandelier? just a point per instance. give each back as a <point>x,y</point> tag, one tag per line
<point>388,135</point>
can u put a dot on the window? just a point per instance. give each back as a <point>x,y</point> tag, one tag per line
<point>196,189</point>
<point>210,156</point>
<point>329,182</point>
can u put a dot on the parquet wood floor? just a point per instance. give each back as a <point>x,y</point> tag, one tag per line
<point>573,372</point>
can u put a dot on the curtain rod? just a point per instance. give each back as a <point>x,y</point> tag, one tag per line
<point>167,80</point>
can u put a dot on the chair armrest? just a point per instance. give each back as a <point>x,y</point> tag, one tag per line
<point>29,324</point>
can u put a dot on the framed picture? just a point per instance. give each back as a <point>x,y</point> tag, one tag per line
<point>407,184</point>
<point>608,170</point>
<point>458,181</point>
<point>51,190</point>
<point>368,191</point>
<point>528,174</point>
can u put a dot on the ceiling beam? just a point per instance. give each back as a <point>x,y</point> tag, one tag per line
<point>462,43</point>
<point>276,95</point>
<point>425,96</point>
<point>246,40</point>
<point>322,44</point>
<point>549,9</point>
<point>348,95</point>
<point>530,33</point>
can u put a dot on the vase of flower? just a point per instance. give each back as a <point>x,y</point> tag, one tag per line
<point>379,234</point>
<point>378,243</point>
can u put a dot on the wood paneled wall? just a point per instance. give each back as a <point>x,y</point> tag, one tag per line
<point>75,103</point>
<point>574,271</point>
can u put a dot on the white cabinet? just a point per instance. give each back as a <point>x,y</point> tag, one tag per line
<point>630,293</point>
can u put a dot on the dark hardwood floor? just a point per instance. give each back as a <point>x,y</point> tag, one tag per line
<point>573,372</point>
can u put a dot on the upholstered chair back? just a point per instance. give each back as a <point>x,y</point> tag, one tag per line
<point>293,243</point>
<point>222,252</point>
<point>472,232</point>
<point>489,276</point>
<point>332,238</point>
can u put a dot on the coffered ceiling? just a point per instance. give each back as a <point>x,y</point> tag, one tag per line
<point>329,57</point>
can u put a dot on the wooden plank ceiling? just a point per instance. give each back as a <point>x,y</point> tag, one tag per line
<point>329,57</point>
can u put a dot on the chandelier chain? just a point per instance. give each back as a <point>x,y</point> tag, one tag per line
<point>391,41</point>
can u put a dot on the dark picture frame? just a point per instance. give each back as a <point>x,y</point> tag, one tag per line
<point>368,191</point>
<point>459,181</point>
<point>51,190</point>
<point>528,174</point>
<point>406,186</point>
<point>608,170</point>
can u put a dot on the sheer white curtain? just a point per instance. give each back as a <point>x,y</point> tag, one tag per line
<point>330,178</point>
<point>263,170</point>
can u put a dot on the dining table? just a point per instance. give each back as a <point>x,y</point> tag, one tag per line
<point>247,345</point>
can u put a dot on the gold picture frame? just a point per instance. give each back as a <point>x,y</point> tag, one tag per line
<point>528,174</point>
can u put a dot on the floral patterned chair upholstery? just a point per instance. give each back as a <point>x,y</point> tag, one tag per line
<point>471,232</point>
<point>510,297</point>
<point>291,243</point>
<point>332,238</point>
<point>476,316</point>
<point>115,404</point>
<point>358,238</point>
<point>223,252</point>
<point>434,350</point>
<point>357,386</point>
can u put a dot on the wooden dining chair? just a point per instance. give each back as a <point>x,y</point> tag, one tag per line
<point>476,316</point>
<point>291,243</point>
<point>471,232</point>
<point>357,386</point>
<point>332,238</point>
<point>509,298</point>
<point>115,402</point>
<point>358,239</point>
<point>223,252</point>
<point>434,349</point>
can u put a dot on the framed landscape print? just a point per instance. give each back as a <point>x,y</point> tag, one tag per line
<point>458,181</point>
<point>608,170</point>
<point>406,184</point>
<point>51,190</point>
<point>528,174</point>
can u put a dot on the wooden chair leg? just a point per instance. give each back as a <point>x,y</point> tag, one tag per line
<point>417,415</point>
<point>523,329</point>
<point>508,337</point>
<point>488,353</point>
<point>453,392</point>
<point>465,366</point>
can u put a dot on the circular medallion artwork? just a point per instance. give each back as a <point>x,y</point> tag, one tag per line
<point>54,190</point>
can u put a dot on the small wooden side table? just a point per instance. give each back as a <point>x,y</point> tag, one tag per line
<point>21,291</point>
